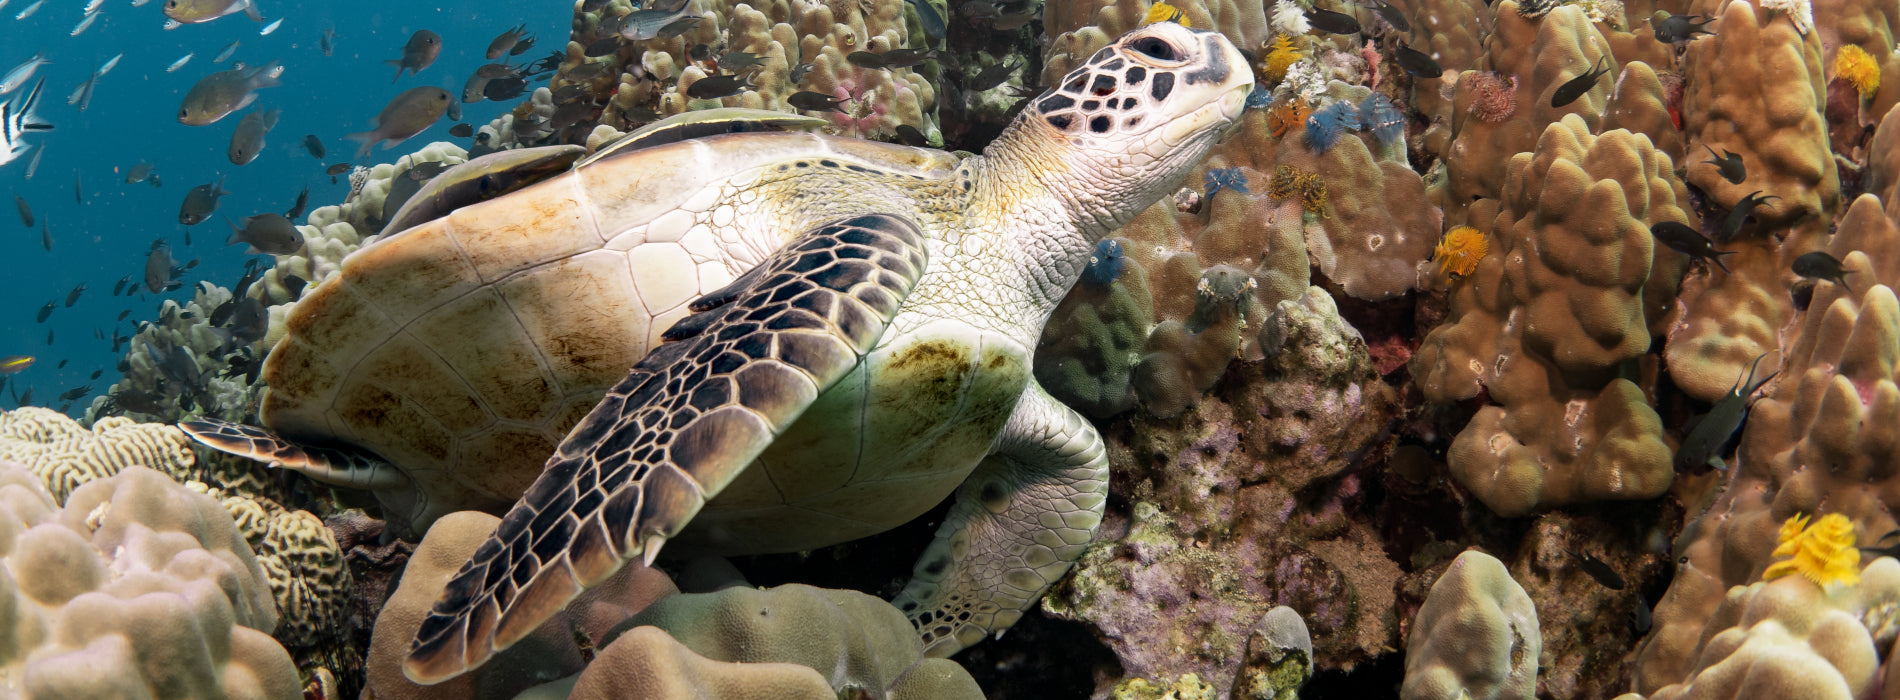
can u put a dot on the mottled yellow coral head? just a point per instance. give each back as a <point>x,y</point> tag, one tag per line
<point>1163,12</point>
<point>1459,252</point>
<point>1824,552</point>
<point>1855,66</point>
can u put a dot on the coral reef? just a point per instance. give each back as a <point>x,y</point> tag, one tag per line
<point>853,644</point>
<point>65,455</point>
<point>1755,89</point>
<point>1242,504</point>
<point>138,587</point>
<point>197,382</point>
<point>1820,441</point>
<point>1791,638</point>
<point>1551,320</point>
<point>1475,637</point>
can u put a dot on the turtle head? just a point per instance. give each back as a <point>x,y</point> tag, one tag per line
<point>1123,129</point>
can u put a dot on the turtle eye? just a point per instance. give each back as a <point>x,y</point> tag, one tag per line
<point>1154,47</point>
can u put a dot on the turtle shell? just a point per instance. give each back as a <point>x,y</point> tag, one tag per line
<point>462,350</point>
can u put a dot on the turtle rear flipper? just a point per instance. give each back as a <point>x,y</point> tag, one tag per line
<point>331,465</point>
<point>685,421</point>
<point>1020,521</point>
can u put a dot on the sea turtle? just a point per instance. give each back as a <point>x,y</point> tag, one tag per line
<point>862,318</point>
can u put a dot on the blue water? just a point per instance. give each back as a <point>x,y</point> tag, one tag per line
<point>133,117</point>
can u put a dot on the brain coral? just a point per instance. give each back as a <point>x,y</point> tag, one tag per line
<point>1551,317</point>
<point>139,587</point>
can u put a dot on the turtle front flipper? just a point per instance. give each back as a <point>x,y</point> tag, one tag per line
<point>686,420</point>
<point>1019,523</point>
<point>331,465</point>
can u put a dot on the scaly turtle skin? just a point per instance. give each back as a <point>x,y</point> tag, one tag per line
<point>858,348</point>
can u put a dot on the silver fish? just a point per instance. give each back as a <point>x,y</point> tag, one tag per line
<point>85,23</point>
<point>268,28</point>
<point>30,9</point>
<point>180,63</point>
<point>82,95</point>
<point>22,73</point>
<point>17,122</point>
<point>225,53</point>
<point>643,25</point>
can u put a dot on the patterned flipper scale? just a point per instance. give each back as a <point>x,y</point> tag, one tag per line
<point>334,466</point>
<point>686,420</point>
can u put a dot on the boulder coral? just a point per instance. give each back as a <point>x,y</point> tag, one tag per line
<point>1821,440</point>
<point>1475,637</point>
<point>1553,322</point>
<point>138,587</point>
<point>1755,89</point>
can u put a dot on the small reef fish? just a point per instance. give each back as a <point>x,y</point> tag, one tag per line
<point>993,76</point>
<point>1576,87</point>
<point>1732,224</point>
<point>138,173</point>
<point>678,27</point>
<point>418,53</point>
<point>85,23</point>
<point>72,297</point>
<point>226,53</point>
<point>504,89</point>
<point>718,86</point>
<point>326,42</point>
<point>1680,28</point>
<point>1393,16</point>
<point>314,145</point>
<point>739,61</point>
<point>196,11</point>
<point>159,268</point>
<point>180,63</point>
<point>18,75</point>
<point>406,115</point>
<point>1417,63</point>
<point>15,364</point>
<point>501,45</point>
<point>462,131</point>
<point>268,28</point>
<point>75,393</point>
<point>46,236</point>
<point>473,90</point>
<point>46,312</point>
<point>647,24</point>
<point>303,201</point>
<point>815,102</point>
<point>911,136</point>
<point>1728,164</point>
<point>224,92</point>
<point>1332,22</point>
<point>865,59</point>
<point>26,212</point>
<point>798,73</point>
<point>270,234</point>
<point>120,287</point>
<point>248,139</point>
<point>497,70</point>
<point>200,202</point>
<point>1711,435</point>
<point>1687,241</point>
<point>1818,265</point>
<point>894,58</point>
<point>1598,570</point>
<point>82,95</point>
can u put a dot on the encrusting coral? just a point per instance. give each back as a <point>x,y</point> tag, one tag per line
<point>1475,637</point>
<point>1549,321</point>
<point>138,587</point>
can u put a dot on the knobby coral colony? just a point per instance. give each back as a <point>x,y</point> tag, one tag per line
<point>1200,331</point>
